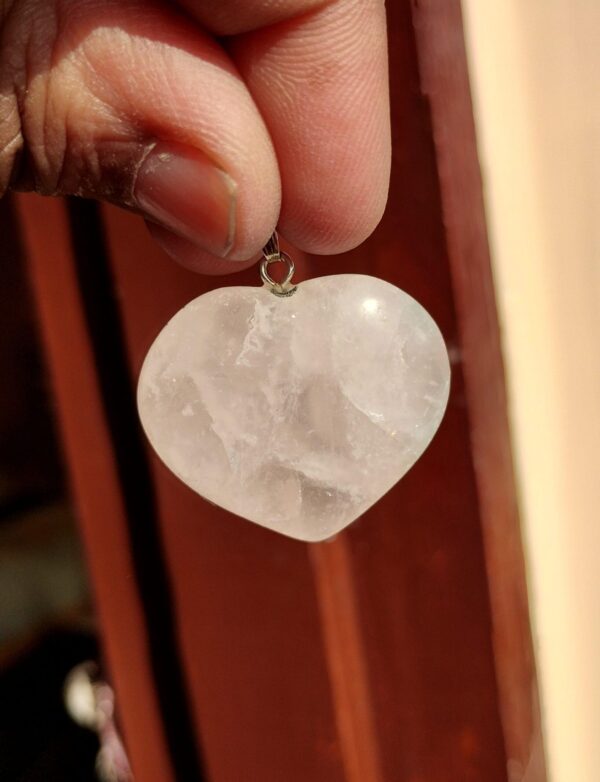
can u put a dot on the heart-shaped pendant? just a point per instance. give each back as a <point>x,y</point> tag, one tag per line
<point>297,412</point>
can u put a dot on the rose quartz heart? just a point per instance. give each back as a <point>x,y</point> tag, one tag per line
<point>296,413</point>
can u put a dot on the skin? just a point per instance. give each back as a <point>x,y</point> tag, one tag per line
<point>216,120</point>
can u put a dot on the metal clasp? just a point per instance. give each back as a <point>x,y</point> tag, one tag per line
<point>273,254</point>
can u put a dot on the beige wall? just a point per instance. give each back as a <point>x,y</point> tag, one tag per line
<point>535,72</point>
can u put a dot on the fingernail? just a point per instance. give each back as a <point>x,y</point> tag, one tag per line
<point>180,188</point>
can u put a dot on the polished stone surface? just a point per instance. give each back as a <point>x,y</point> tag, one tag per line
<point>296,413</point>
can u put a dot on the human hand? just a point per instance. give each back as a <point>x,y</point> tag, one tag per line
<point>214,119</point>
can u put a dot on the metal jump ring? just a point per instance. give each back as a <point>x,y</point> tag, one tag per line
<point>272,254</point>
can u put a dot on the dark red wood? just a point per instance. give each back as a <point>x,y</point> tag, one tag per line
<point>445,84</point>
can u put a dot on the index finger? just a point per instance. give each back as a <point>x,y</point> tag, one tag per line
<point>319,78</point>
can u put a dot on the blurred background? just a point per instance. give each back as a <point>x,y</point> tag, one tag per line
<point>46,621</point>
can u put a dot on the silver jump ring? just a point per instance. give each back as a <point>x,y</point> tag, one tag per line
<point>283,288</point>
<point>272,254</point>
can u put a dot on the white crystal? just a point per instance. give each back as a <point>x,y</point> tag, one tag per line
<point>296,413</point>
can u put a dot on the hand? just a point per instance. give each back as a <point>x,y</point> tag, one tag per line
<point>214,119</point>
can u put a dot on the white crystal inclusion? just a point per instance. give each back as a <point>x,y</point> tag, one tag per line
<point>296,413</point>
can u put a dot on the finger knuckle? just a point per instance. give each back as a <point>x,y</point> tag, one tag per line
<point>28,149</point>
<point>57,135</point>
<point>11,141</point>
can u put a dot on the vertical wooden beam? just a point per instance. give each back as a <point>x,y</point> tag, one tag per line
<point>445,85</point>
<point>344,652</point>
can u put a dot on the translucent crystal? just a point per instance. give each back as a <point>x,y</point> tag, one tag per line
<point>296,413</point>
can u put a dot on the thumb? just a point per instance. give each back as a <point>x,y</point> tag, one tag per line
<point>126,101</point>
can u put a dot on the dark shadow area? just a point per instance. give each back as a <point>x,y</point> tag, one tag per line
<point>46,624</point>
<point>39,742</point>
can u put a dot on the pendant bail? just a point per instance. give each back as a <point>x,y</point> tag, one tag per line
<point>271,249</point>
<point>273,254</point>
